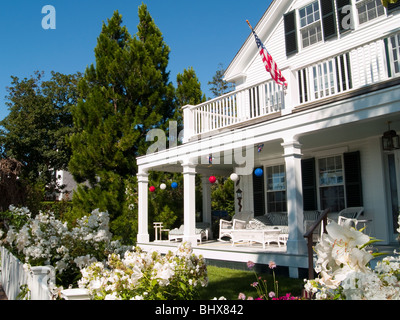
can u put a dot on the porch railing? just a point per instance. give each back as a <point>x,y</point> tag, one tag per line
<point>323,218</point>
<point>359,67</point>
<point>362,66</point>
<point>235,107</point>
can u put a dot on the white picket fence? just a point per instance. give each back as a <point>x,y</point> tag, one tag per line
<point>13,276</point>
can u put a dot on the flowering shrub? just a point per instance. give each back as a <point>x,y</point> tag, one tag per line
<point>146,276</point>
<point>344,272</point>
<point>45,240</point>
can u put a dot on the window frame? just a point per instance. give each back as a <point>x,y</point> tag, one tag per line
<point>335,185</point>
<point>315,25</point>
<point>364,3</point>
<point>276,192</point>
<point>394,62</point>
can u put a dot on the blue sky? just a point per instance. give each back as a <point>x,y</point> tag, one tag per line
<point>200,34</point>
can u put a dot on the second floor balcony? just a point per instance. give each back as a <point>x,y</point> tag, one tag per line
<point>372,66</point>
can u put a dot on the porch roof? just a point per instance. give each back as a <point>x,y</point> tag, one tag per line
<point>357,117</point>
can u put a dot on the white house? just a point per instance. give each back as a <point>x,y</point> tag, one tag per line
<point>319,142</point>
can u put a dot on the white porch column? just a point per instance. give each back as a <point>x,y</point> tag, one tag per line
<point>296,243</point>
<point>189,203</point>
<point>143,203</point>
<point>206,189</point>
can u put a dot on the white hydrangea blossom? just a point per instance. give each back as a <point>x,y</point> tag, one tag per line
<point>146,275</point>
<point>45,240</point>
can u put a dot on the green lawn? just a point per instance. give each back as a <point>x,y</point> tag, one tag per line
<point>229,283</point>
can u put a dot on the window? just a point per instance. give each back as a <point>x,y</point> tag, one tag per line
<point>276,189</point>
<point>331,183</point>
<point>310,24</point>
<point>369,10</point>
<point>395,44</point>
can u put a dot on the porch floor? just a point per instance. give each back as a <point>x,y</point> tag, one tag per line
<point>223,253</point>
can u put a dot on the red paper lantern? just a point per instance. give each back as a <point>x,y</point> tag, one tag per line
<point>212,179</point>
<point>152,189</point>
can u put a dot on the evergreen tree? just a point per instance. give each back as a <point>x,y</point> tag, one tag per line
<point>124,95</point>
<point>188,92</point>
<point>218,85</point>
<point>189,88</point>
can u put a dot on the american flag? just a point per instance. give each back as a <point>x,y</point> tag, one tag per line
<point>269,63</point>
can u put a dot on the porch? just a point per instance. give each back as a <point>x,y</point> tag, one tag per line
<point>333,107</point>
<point>224,254</point>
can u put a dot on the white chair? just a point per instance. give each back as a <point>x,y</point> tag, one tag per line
<point>226,227</point>
<point>350,216</point>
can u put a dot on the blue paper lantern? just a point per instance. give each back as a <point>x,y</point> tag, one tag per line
<point>258,172</point>
<point>174,185</point>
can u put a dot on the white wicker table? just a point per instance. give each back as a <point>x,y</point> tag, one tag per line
<point>260,236</point>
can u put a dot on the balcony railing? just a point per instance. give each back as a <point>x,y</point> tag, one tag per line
<point>362,66</point>
<point>235,107</point>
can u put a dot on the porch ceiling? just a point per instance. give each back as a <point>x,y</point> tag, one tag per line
<point>373,127</point>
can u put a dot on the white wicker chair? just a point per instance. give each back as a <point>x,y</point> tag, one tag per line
<point>201,233</point>
<point>350,216</point>
<point>226,227</point>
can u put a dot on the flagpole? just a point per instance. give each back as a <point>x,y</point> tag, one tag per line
<point>249,25</point>
<point>285,85</point>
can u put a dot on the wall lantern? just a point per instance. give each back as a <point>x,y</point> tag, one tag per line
<point>239,194</point>
<point>390,140</point>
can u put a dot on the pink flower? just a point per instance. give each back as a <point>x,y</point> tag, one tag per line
<point>250,264</point>
<point>272,265</point>
<point>242,296</point>
<point>271,294</point>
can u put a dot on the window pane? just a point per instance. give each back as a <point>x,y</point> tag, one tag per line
<point>395,43</point>
<point>310,24</point>
<point>333,198</point>
<point>330,171</point>
<point>276,186</point>
<point>277,201</point>
<point>369,10</point>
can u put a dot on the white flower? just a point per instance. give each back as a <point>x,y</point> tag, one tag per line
<point>112,296</point>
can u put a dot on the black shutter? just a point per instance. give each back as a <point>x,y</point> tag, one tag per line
<point>339,7</point>
<point>309,184</point>
<point>258,194</point>
<point>328,19</point>
<point>290,33</point>
<point>352,170</point>
<point>387,52</point>
<point>394,6</point>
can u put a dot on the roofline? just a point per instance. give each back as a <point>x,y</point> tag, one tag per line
<point>274,4</point>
